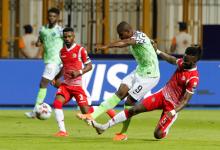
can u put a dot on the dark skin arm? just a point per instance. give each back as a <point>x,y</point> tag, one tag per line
<point>56,81</point>
<point>169,58</point>
<point>86,68</point>
<point>38,43</point>
<point>184,101</point>
<point>119,44</point>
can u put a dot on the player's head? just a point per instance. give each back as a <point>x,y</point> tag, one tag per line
<point>124,30</point>
<point>191,56</point>
<point>182,26</point>
<point>68,36</point>
<point>28,28</point>
<point>53,15</point>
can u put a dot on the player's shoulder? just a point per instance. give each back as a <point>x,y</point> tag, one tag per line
<point>59,27</point>
<point>179,63</point>
<point>140,37</point>
<point>63,49</point>
<point>42,28</point>
<point>140,34</point>
<point>193,75</point>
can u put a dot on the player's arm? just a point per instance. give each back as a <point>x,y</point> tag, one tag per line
<point>190,88</point>
<point>119,44</point>
<point>169,58</point>
<point>87,67</point>
<point>38,42</point>
<point>184,101</point>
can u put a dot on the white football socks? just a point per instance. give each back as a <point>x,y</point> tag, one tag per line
<point>120,117</point>
<point>60,119</point>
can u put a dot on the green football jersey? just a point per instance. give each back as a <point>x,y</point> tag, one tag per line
<point>144,54</point>
<point>52,40</point>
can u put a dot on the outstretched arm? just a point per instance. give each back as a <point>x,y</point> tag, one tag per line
<point>169,58</point>
<point>119,44</point>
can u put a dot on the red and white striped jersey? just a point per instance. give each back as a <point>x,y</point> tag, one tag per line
<point>73,58</point>
<point>182,80</point>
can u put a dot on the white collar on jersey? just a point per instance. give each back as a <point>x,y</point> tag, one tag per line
<point>68,49</point>
<point>192,69</point>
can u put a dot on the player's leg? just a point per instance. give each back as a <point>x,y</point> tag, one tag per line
<point>139,88</point>
<point>85,106</point>
<point>107,104</point>
<point>40,96</point>
<point>150,103</point>
<point>164,125</point>
<point>112,101</point>
<point>62,97</point>
<point>165,121</point>
<point>56,83</point>
<point>42,91</point>
<point>111,113</point>
<point>122,135</point>
<point>120,117</point>
<point>49,73</point>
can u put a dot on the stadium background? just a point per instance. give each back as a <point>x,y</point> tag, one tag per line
<point>94,22</point>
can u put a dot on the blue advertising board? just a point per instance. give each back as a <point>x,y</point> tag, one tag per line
<point>20,81</point>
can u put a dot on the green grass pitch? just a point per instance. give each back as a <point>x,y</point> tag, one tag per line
<point>193,130</point>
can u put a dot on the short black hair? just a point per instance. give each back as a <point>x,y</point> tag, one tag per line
<point>194,50</point>
<point>123,26</point>
<point>182,26</point>
<point>68,29</point>
<point>28,28</point>
<point>54,10</point>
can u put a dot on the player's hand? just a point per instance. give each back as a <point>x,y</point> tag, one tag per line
<point>53,82</point>
<point>100,47</point>
<point>75,73</point>
<point>56,83</point>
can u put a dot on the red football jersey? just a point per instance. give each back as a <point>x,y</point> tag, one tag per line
<point>73,58</point>
<point>182,80</point>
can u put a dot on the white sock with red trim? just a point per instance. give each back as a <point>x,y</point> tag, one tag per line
<point>60,119</point>
<point>120,117</point>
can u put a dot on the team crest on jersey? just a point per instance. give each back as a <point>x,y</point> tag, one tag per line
<point>74,55</point>
<point>183,78</point>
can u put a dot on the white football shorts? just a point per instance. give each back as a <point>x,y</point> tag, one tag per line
<point>139,86</point>
<point>51,70</point>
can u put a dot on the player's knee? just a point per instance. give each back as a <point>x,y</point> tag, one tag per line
<point>57,104</point>
<point>121,94</point>
<point>132,111</point>
<point>44,83</point>
<point>158,134</point>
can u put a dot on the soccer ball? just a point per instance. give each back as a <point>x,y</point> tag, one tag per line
<point>43,111</point>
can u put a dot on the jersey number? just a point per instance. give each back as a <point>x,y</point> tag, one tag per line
<point>138,89</point>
